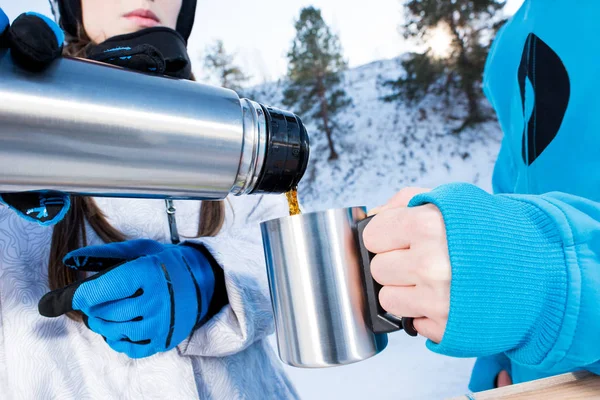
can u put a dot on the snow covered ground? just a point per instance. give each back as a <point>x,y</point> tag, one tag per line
<point>391,146</point>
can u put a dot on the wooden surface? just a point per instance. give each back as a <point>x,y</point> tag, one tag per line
<point>575,386</point>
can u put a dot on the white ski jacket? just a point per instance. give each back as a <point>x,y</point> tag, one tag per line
<point>227,358</point>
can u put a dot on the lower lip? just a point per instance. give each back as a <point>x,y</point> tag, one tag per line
<point>143,22</point>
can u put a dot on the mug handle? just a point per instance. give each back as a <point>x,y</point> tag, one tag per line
<point>379,320</point>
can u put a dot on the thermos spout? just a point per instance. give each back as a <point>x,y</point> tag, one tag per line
<point>275,150</point>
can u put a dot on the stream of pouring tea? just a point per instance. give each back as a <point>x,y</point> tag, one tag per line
<point>292,198</point>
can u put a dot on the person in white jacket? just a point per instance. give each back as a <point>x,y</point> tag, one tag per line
<point>159,319</point>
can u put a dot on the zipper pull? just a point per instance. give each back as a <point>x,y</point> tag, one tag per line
<point>172,221</point>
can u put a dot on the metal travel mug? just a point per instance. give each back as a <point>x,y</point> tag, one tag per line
<point>325,302</point>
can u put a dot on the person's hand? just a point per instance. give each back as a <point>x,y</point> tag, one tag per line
<point>148,297</point>
<point>45,207</point>
<point>503,379</point>
<point>412,262</point>
<point>35,41</point>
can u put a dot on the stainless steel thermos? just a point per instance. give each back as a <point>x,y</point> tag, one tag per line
<point>88,128</point>
<point>325,301</point>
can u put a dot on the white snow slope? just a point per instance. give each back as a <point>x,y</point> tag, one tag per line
<point>390,147</point>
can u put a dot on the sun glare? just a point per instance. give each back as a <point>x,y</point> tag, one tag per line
<point>440,42</point>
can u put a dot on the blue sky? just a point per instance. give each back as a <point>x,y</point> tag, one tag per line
<point>260,31</point>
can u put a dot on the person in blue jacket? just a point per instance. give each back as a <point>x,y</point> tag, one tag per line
<point>513,277</point>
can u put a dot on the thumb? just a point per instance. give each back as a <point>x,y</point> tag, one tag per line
<point>404,196</point>
<point>400,199</point>
<point>58,302</point>
<point>503,379</point>
<point>35,41</point>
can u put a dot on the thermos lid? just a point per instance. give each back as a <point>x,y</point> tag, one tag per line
<point>287,152</point>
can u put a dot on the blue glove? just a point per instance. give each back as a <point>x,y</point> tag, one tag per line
<point>45,208</point>
<point>147,298</point>
<point>34,42</point>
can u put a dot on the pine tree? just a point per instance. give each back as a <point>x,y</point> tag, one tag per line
<point>471,24</point>
<point>315,72</point>
<point>221,66</point>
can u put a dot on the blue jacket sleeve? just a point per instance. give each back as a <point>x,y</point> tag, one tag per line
<point>525,277</point>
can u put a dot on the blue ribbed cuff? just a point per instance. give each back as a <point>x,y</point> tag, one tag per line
<point>509,274</point>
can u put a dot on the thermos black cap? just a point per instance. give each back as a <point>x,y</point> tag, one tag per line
<point>287,152</point>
